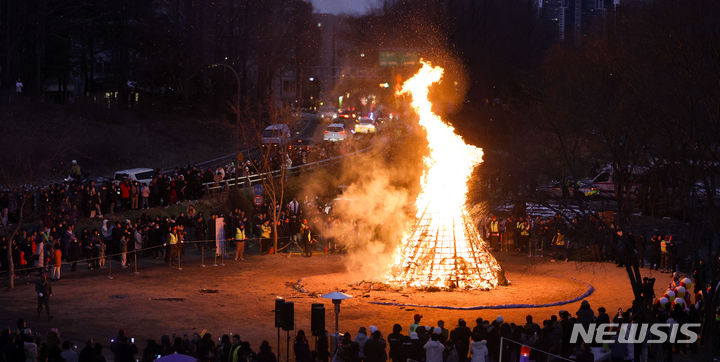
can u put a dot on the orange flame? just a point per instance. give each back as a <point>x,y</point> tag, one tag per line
<point>444,249</point>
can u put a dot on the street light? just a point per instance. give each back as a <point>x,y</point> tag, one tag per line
<point>237,102</point>
<point>336,297</point>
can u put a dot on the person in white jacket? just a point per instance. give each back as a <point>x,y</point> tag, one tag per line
<point>434,349</point>
<point>479,351</point>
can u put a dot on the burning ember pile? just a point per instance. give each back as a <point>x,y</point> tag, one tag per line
<point>444,249</point>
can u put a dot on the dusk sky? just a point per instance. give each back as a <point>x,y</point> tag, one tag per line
<point>343,6</point>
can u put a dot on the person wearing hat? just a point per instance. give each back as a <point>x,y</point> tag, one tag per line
<point>415,324</point>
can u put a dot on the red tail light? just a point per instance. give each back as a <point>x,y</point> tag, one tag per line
<point>342,132</point>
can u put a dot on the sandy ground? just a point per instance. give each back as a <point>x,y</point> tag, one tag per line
<point>89,304</point>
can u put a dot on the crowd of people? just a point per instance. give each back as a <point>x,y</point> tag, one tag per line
<point>52,213</point>
<point>22,344</point>
<point>420,342</point>
<point>56,241</point>
<point>559,238</point>
<point>81,197</point>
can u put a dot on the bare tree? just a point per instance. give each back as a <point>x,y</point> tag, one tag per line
<point>273,166</point>
<point>24,167</point>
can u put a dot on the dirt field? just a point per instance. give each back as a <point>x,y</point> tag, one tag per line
<point>91,304</point>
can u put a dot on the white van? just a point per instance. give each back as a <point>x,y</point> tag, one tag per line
<point>141,175</point>
<point>276,135</point>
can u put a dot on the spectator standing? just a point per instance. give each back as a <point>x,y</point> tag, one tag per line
<point>87,354</point>
<point>125,195</point>
<point>434,350</point>
<point>460,337</point>
<point>240,242</point>
<point>306,238</point>
<point>234,355</point>
<point>123,349</point>
<point>134,195</point>
<point>265,354</point>
<point>444,333</point>
<point>375,347</point>
<point>44,291</point>
<point>585,314</point>
<point>479,351</point>
<point>494,231</point>
<point>145,194</point>
<point>75,172</point>
<point>415,324</point>
<point>265,230</point>
<point>302,348</point>
<point>123,251</point>
<point>57,262</point>
<point>18,87</point>
<point>395,340</point>
<point>68,352</point>
<point>360,339</point>
<point>664,255</point>
<point>348,351</point>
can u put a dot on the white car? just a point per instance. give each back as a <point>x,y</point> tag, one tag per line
<point>335,132</point>
<point>276,135</point>
<point>327,112</point>
<point>141,175</point>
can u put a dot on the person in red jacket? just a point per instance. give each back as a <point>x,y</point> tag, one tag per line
<point>125,194</point>
<point>57,262</point>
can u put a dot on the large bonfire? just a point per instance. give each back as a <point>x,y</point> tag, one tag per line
<point>444,249</point>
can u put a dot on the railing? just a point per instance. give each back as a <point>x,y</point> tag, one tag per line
<point>253,179</point>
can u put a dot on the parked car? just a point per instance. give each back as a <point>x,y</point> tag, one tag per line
<point>335,132</point>
<point>141,175</point>
<point>276,135</point>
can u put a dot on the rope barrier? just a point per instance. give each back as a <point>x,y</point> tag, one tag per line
<point>587,293</point>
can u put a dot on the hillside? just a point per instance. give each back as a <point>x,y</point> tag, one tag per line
<point>39,140</point>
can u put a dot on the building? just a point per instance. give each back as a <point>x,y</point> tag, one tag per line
<point>579,19</point>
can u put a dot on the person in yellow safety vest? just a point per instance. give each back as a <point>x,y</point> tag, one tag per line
<point>560,246</point>
<point>664,255</point>
<point>235,349</point>
<point>415,324</point>
<point>240,242</point>
<point>524,230</point>
<point>494,228</point>
<point>264,235</point>
<point>172,242</point>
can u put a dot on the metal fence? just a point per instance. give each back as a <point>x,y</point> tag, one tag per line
<point>253,179</point>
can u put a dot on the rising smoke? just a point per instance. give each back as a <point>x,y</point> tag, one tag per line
<point>377,208</point>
